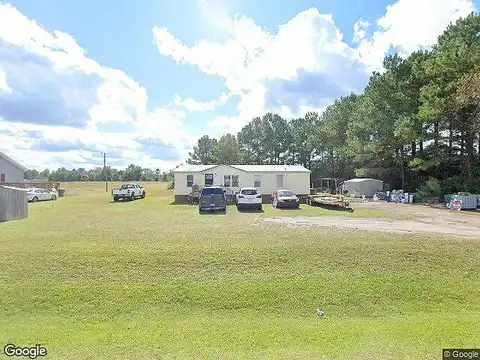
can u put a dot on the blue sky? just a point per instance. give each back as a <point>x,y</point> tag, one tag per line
<point>143,80</point>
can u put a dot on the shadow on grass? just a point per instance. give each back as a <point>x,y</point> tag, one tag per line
<point>334,208</point>
<point>122,201</point>
<point>212,212</point>
<point>254,211</point>
<point>180,203</point>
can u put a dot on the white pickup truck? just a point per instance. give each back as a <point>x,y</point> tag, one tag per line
<point>128,191</point>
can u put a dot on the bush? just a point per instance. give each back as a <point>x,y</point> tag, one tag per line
<point>171,185</point>
<point>456,184</point>
<point>430,191</point>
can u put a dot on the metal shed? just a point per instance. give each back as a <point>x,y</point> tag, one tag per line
<point>363,186</point>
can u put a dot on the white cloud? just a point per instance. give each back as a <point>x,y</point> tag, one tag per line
<point>302,67</point>
<point>307,53</point>
<point>410,25</point>
<point>55,83</point>
<point>251,57</point>
<point>116,96</point>
<point>3,83</point>
<point>359,30</point>
<point>70,147</point>
<point>193,105</point>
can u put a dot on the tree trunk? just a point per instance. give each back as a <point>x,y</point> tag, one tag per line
<point>450,137</point>
<point>402,167</point>
<point>470,153</point>
<point>462,144</point>
<point>435,134</point>
<point>333,163</point>
<point>414,148</point>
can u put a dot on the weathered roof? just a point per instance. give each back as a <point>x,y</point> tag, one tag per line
<point>271,168</point>
<point>14,188</point>
<point>193,168</point>
<point>361,180</point>
<point>13,162</point>
<point>246,168</point>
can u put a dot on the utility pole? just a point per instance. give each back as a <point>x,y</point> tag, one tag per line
<point>105,171</point>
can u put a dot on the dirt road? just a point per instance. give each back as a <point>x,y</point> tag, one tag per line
<point>424,219</point>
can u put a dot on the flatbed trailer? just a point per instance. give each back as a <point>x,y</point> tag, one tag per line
<point>328,200</point>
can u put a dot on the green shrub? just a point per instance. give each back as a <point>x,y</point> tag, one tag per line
<point>171,185</point>
<point>430,191</point>
<point>458,183</point>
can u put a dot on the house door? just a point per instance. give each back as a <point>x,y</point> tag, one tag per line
<point>208,179</point>
<point>3,178</point>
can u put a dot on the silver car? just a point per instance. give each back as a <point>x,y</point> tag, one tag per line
<point>37,194</point>
<point>285,199</point>
<point>212,198</point>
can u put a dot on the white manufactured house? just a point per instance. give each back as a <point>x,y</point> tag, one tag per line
<point>10,170</point>
<point>266,178</point>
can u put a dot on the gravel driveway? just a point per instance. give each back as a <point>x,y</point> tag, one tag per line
<point>425,219</point>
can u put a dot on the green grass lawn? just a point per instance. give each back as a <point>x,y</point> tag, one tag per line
<point>92,279</point>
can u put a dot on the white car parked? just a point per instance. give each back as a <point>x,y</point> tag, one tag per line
<point>37,194</point>
<point>249,198</point>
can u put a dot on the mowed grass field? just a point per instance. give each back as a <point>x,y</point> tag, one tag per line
<point>91,279</point>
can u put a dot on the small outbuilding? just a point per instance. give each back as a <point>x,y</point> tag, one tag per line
<point>363,186</point>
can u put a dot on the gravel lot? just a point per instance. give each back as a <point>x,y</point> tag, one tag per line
<point>424,219</point>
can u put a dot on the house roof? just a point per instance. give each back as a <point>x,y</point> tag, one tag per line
<point>271,168</point>
<point>246,168</point>
<point>193,168</point>
<point>360,180</point>
<point>14,188</point>
<point>11,161</point>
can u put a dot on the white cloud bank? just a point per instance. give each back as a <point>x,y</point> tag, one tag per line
<point>48,86</point>
<point>196,106</point>
<point>410,25</point>
<point>260,66</point>
<point>3,83</point>
<point>54,97</point>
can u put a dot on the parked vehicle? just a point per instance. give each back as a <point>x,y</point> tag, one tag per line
<point>128,191</point>
<point>38,194</point>
<point>249,198</point>
<point>285,199</point>
<point>212,198</point>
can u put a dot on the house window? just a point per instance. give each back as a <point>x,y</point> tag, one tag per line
<point>234,180</point>
<point>226,180</point>
<point>279,181</point>
<point>208,179</point>
<point>3,177</point>
<point>189,180</point>
<point>256,182</point>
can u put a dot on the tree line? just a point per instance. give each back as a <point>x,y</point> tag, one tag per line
<point>416,125</point>
<point>131,173</point>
